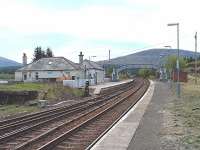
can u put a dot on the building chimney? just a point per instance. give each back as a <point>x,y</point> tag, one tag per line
<point>24,59</point>
<point>80,58</point>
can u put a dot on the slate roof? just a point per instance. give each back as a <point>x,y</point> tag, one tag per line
<point>52,63</point>
<point>91,65</point>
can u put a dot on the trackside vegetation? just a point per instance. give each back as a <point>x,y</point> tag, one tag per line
<point>146,73</point>
<point>49,91</point>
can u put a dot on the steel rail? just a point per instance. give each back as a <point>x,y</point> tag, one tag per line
<point>114,123</point>
<point>62,137</point>
<point>53,130</point>
<point>38,114</point>
<point>24,130</point>
<point>21,131</point>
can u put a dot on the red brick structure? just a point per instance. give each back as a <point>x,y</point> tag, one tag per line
<point>182,76</point>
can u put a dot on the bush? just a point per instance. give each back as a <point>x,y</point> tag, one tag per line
<point>123,76</point>
<point>146,73</point>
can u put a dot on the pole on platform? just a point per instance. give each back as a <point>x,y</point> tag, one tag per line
<point>195,57</point>
<point>177,61</point>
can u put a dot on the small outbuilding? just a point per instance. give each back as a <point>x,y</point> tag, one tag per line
<point>93,71</point>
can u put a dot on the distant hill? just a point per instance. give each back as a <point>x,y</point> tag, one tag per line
<point>151,56</point>
<point>4,62</point>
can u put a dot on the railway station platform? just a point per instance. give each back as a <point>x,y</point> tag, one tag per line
<point>139,129</point>
<point>99,87</point>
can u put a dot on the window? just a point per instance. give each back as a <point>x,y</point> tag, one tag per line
<point>25,76</point>
<point>50,72</point>
<point>67,72</point>
<point>29,74</point>
<point>36,76</point>
<point>90,76</point>
<point>73,77</point>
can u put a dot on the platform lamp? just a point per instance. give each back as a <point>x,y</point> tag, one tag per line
<point>169,47</point>
<point>91,57</point>
<point>177,61</point>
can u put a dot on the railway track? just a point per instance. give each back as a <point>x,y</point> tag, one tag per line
<point>35,124</point>
<point>38,114</point>
<point>24,121</point>
<point>82,135</point>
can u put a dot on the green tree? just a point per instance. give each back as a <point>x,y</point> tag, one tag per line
<point>38,54</point>
<point>109,70</point>
<point>49,53</point>
<point>171,63</point>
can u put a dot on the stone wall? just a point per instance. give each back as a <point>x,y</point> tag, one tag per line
<point>17,97</point>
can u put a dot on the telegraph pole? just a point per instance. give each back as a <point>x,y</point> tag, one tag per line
<point>109,56</point>
<point>178,63</point>
<point>195,57</point>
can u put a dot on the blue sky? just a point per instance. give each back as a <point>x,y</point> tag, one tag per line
<point>93,26</point>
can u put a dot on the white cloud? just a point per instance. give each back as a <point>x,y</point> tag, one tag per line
<point>92,22</point>
<point>143,21</point>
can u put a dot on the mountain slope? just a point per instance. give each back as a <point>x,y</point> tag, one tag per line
<point>151,56</point>
<point>4,62</point>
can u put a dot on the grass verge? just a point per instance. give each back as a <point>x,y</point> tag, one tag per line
<point>53,90</point>
<point>187,111</point>
<point>23,86</point>
<point>10,110</point>
<point>6,76</point>
<point>49,91</point>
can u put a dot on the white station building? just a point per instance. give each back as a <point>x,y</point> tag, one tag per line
<point>54,69</point>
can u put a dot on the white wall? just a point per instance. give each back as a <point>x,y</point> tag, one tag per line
<point>3,82</point>
<point>50,74</point>
<point>31,75</point>
<point>18,76</point>
<point>77,73</point>
<point>100,74</point>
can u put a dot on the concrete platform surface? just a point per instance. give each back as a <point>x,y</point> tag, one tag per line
<point>97,88</point>
<point>120,135</point>
<point>148,136</point>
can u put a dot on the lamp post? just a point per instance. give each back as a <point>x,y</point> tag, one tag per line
<point>177,61</point>
<point>168,54</point>
<point>168,46</point>
<point>161,67</point>
<point>169,70</point>
<point>195,57</point>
